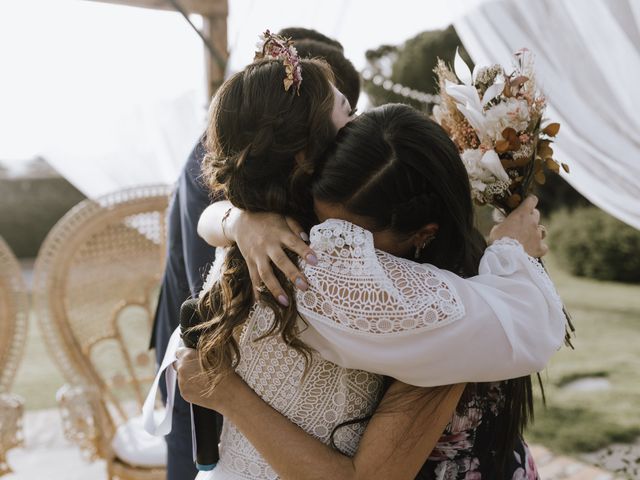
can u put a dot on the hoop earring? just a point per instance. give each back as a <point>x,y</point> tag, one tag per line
<point>419,249</point>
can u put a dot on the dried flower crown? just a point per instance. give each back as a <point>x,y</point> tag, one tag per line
<point>280,48</point>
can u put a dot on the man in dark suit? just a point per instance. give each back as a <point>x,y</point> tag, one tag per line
<point>189,257</point>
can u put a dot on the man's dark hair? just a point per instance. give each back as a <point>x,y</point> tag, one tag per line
<point>347,78</point>
<point>299,33</point>
<point>313,44</point>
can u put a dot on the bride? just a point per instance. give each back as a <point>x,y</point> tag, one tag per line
<point>364,308</point>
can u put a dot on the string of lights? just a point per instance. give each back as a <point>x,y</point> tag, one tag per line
<point>379,80</point>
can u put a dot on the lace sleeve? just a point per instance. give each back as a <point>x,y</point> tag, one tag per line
<point>356,288</point>
<point>509,248</point>
<point>368,310</point>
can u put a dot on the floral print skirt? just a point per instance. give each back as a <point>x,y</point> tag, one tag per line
<point>464,452</point>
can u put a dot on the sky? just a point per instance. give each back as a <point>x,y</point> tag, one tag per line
<point>65,64</point>
<point>359,24</point>
<point>73,73</point>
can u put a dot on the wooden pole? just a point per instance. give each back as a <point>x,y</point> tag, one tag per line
<point>215,28</point>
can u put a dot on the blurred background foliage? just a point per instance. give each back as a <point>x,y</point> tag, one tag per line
<point>411,64</point>
<point>590,243</point>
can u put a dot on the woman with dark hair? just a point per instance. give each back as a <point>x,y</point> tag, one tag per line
<point>398,175</point>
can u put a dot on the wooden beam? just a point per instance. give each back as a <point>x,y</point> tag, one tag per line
<point>215,29</point>
<point>207,8</point>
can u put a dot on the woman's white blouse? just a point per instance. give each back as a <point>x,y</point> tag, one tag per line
<point>368,310</point>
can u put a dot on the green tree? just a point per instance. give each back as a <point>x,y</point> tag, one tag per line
<point>412,64</point>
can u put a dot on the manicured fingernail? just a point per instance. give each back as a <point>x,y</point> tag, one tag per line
<point>283,300</point>
<point>312,259</point>
<point>304,236</point>
<point>301,284</point>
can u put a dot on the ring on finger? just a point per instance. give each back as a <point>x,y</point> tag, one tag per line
<point>543,231</point>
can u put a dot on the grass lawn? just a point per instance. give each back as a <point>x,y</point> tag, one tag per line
<point>38,377</point>
<point>607,319</point>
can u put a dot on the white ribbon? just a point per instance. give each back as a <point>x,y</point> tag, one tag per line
<point>163,426</point>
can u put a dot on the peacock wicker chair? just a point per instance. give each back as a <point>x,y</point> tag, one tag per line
<point>14,318</point>
<point>96,281</point>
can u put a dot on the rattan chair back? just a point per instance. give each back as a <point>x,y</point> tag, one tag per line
<point>14,316</point>
<point>96,280</point>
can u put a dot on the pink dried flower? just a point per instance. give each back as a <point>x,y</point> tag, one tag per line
<point>281,48</point>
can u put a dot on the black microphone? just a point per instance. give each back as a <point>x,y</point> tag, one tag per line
<point>207,423</point>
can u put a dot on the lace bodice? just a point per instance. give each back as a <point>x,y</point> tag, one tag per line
<point>318,401</point>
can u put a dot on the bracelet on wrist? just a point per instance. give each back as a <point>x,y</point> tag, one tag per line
<point>225,217</point>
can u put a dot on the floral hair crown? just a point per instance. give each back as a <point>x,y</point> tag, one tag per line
<point>281,48</point>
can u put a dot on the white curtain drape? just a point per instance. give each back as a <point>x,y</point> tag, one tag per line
<point>588,64</point>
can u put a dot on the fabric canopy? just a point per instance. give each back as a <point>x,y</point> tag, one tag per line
<point>588,63</point>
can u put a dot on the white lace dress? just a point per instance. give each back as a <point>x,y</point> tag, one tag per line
<point>327,396</point>
<point>367,311</point>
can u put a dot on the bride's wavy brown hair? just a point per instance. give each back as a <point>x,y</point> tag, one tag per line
<point>255,133</point>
